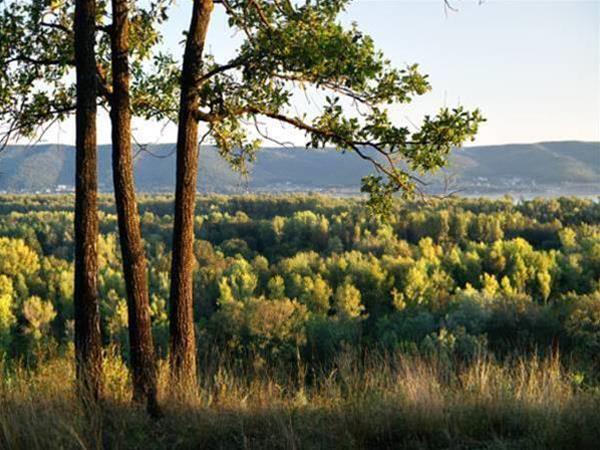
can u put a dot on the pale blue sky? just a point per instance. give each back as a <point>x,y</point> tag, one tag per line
<point>532,67</point>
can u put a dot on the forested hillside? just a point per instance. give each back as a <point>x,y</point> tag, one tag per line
<point>519,169</point>
<point>281,275</point>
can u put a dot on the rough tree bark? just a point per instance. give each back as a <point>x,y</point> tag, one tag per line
<point>182,338</point>
<point>132,249</point>
<point>88,350</point>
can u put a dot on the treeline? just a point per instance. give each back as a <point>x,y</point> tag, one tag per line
<point>288,279</point>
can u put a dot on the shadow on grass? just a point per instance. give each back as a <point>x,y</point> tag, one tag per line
<point>408,404</point>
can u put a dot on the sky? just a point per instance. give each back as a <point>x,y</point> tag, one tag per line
<point>531,66</point>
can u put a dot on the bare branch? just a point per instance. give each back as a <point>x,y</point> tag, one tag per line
<point>16,127</point>
<point>270,138</point>
<point>261,14</point>
<point>56,26</point>
<point>223,68</point>
<point>39,62</point>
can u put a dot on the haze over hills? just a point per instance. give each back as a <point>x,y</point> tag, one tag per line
<point>547,168</point>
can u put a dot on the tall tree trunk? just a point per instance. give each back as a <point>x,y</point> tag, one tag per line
<point>88,350</point>
<point>132,249</point>
<point>183,345</point>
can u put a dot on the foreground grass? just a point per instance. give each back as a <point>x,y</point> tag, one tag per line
<point>384,403</point>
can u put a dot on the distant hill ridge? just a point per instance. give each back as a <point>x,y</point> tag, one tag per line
<point>545,165</point>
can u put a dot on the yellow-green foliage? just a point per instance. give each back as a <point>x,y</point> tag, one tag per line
<point>38,314</point>
<point>487,275</point>
<point>7,316</point>
<point>17,257</point>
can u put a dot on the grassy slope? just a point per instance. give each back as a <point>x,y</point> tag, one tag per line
<point>388,403</point>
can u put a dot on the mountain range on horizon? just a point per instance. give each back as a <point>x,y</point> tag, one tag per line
<point>566,167</point>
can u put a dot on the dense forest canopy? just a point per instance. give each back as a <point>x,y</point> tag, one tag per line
<point>279,278</point>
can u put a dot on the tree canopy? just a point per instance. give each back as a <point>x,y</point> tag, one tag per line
<point>288,48</point>
<point>37,83</point>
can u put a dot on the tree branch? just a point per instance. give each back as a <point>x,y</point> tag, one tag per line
<point>223,68</point>
<point>56,26</point>
<point>356,146</point>
<point>39,62</point>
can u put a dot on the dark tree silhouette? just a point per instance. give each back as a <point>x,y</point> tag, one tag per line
<point>183,345</point>
<point>38,56</point>
<point>291,46</point>
<point>88,343</point>
<point>132,249</point>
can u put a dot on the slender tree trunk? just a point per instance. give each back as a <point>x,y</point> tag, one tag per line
<point>88,345</point>
<point>132,249</point>
<point>183,345</point>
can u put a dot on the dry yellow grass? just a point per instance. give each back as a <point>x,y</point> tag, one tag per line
<point>380,402</point>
